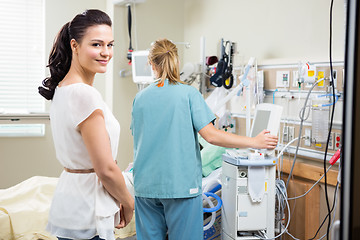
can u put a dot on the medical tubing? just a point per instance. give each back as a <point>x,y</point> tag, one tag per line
<point>287,232</point>
<point>300,129</point>
<point>274,95</point>
<point>236,89</point>
<point>286,146</point>
<point>218,199</point>
<point>304,109</point>
<point>216,188</point>
<point>213,214</point>
<point>329,95</point>
<point>281,153</point>
<point>293,198</point>
<point>211,184</point>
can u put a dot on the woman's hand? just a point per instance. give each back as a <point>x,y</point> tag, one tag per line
<point>265,140</point>
<point>122,218</point>
<point>126,215</point>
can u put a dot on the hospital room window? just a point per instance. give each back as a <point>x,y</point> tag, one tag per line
<point>22,61</point>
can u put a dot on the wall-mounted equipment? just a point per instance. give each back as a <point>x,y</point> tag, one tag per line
<point>128,4</point>
<point>282,78</point>
<point>124,2</point>
<point>223,75</point>
<point>320,120</point>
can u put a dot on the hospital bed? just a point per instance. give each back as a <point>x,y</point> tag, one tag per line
<point>24,211</point>
<point>24,208</point>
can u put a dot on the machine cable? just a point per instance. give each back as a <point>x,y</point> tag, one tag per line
<point>332,209</point>
<point>331,119</point>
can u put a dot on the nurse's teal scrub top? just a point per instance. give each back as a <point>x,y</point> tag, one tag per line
<point>165,124</point>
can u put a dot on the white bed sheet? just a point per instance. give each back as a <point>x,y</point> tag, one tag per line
<point>24,211</point>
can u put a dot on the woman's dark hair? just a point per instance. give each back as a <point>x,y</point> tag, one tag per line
<point>61,53</point>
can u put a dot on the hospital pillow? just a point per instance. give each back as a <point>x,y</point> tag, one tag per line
<point>211,156</point>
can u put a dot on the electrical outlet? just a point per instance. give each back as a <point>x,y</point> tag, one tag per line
<point>331,141</point>
<point>285,133</point>
<point>291,133</point>
<point>337,142</point>
<point>307,141</point>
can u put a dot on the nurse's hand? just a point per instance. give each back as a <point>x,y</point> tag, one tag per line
<point>265,141</point>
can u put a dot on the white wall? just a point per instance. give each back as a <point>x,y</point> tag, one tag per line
<point>274,31</point>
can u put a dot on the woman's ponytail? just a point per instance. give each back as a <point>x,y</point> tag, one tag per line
<point>59,62</point>
<point>164,56</point>
<point>61,53</point>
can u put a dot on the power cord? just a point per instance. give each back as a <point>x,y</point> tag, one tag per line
<point>333,206</point>
<point>331,119</point>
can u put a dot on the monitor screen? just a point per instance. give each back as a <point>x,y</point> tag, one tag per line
<point>142,67</point>
<point>141,70</point>
<point>260,122</point>
<point>267,116</point>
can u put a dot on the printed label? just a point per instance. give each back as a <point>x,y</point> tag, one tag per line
<point>194,190</point>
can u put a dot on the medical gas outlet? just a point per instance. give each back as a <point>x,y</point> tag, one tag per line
<point>282,79</point>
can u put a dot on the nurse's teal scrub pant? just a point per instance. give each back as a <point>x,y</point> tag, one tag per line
<point>181,218</point>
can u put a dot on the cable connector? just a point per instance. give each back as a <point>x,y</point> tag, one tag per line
<point>335,157</point>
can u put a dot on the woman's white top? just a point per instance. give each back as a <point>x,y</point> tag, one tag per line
<point>81,207</point>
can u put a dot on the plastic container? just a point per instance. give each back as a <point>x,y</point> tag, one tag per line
<point>320,120</point>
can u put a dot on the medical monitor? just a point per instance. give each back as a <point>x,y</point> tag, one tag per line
<point>141,70</point>
<point>267,116</point>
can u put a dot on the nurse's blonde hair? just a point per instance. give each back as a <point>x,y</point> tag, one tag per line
<point>164,57</point>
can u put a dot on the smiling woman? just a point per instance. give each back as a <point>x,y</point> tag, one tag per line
<point>95,50</point>
<point>86,134</point>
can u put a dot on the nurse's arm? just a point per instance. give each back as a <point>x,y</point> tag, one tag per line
<point>225,139</point>
<point>97,142</point>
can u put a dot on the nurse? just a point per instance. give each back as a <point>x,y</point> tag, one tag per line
<point>166,119</point>
<point>91,190</point>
